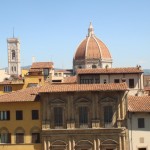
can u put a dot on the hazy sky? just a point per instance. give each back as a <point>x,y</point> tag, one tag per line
<point>51,30</point>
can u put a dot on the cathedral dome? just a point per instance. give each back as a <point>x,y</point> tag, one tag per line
<point>92,48</point>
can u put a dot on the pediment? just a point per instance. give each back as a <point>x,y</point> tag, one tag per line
<point>82,100</point>
<point>109,141</point>
<point>107,99</point>
<point>57,101</point>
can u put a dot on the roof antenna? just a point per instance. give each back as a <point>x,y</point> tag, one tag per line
<point>13,32</point>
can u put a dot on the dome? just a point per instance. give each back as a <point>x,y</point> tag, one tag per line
<point>92,48</point>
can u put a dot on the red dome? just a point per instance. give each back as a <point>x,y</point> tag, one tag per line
<point>92,48</point>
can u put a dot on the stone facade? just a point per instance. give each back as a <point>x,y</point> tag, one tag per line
<point>91,133</point>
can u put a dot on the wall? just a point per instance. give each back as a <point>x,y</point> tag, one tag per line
<point>136,133</point>
<point>27,124</point>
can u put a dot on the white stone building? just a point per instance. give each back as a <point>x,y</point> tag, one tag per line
<point>139,122</point>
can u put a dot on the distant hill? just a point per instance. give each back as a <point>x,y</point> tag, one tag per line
<point>146,71</point>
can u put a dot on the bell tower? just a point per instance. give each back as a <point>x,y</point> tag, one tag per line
<point>13,45</point>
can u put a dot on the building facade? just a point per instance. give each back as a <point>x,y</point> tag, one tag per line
<point>20,121</point>
<point>138,122</point>
<point>84,117</point>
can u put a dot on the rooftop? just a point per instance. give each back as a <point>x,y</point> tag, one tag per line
<point>51,88</point>
<point>110,70</point>
<point>139,103</point>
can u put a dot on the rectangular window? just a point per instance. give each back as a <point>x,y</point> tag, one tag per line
<point>116,81</point>
<point>4,115</point>
<point>131,83</point>
<point>83,115</point>
<point>35,137</point>
<point>19,137</point>
<point>7,88</point>
<point>46,72</point>
<point>19,115</point>
<point>35,114</point>
<point>58,116</point>
<point>141,123</point>
<point>5,138</point>
<point>108,113</point>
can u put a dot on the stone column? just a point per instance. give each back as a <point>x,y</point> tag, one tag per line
<point>98,144</point>
<point>49,143</point>
<point>120,143</point>
<point>70,144</point>
<point>95,144</point>
<point>123,109</point>
<point>45,143</point>
<point>124,142</point>
<point>119,109</point>
<point>73,144</point>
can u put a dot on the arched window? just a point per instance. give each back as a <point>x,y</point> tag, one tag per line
<point>35,133</point>
<point>19,135</point>
<point>15,68</point>
<point>5,136</point>
<point>13,54</point>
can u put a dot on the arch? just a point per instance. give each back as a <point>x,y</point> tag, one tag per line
<point>4,130</point>
<point>35,129</point>
<point>109,141</point>
<point>107,99</point>
<point>56,101</point>
<point>35,134</point>
<point>82,142</point>
<point>82,100</point>
<point>5,136</point>
<point>59,142</point>
<point>19,130</point>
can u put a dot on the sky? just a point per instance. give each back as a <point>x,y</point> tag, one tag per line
<point>51,30</point>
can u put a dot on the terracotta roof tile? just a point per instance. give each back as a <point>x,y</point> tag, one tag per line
<point>42,65</point>
<point>109,70</point>
<point>91,47</point>
<point>83,87</point>
<point>28,94</point>
<point>147,88</point>
<point>71,79</point>
<point>139,103</point>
